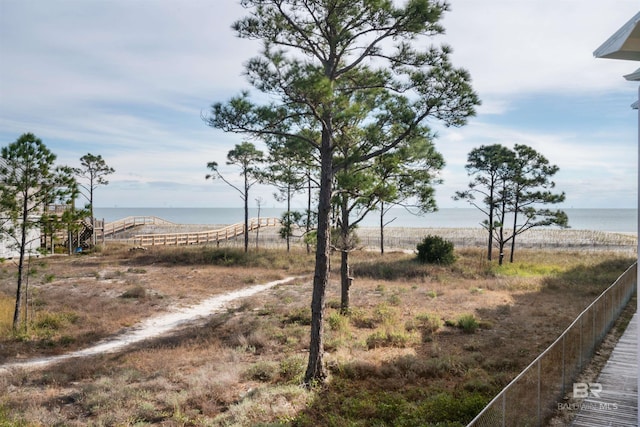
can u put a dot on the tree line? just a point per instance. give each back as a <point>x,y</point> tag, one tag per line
<point>353,87</point>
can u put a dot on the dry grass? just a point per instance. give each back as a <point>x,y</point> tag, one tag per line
<point>399,358</point>
<point>7,305</point>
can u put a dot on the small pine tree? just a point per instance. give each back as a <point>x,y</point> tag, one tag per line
<point>435,250</point>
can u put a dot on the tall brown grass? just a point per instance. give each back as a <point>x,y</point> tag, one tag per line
<point>397,359</point>
<point>7,306</point>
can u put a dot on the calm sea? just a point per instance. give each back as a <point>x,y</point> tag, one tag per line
<point>622,220</point>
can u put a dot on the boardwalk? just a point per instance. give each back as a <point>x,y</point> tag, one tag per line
<point>617,404</point>
<point>115,231</point>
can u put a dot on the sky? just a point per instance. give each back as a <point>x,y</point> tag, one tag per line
<point>130,81</point>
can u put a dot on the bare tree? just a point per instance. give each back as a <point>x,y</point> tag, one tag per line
<point>92,173</point>
<point>248,158</point>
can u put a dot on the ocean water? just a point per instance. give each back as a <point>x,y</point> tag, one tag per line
<point>620,220</point>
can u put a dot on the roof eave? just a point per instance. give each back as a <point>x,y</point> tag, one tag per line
<point>624,44</point>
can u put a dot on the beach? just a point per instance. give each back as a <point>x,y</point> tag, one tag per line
<point>541,238</point>
<point>406,238</point>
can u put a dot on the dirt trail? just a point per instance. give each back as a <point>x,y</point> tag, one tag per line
<point>149,328</point>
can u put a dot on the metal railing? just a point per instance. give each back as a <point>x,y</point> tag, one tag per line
<point>202,237</point>
<point>531,398</point>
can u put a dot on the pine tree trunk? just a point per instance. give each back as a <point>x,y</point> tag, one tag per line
<point>246,213</point>
<point>513,236</point>
<point>23,247</point>
<point>315,368</point>
<point>382,228</point>
<point>308,222</point>
<point>490,245</point>
<point>93,220</point>
<point>289,217</point>
<point>345,280</point>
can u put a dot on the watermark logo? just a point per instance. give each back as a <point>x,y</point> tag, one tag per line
<point>584,390</point>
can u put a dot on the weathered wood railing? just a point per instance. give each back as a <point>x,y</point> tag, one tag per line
<point>111,228</point>
<point>202,237</point>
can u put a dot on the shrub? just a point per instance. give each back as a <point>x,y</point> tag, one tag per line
<point>136,292</point>
<point>395,299</point>
<point>444,407</point>
<point>292,369</point>
<point>435,250</point>
<point>360,319</point>
<point>262,371</point>
<point>334,303</point>
<point>54,321</point>
<point>299,315</point>
<point>387,339</point>
<point>338,322</point>
<point>385,314</point>
<point>429,322</point>
<point>468,323</point>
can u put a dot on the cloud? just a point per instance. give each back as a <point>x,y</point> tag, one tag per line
<point>514,47</point>
<point>129,80</point>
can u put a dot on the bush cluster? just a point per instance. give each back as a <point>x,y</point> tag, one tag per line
<point>435,250</point>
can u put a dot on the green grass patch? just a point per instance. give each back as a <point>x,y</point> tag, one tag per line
<point>354,405</point>
<point>429,322</point>
<point>338,323</point>
<point>300,316</point>
<point>468,323</point>
<point>54,321</point>
<point>527,269</point>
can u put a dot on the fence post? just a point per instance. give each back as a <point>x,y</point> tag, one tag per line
<point>564,338</point>
<point>581,350</point>
<point>539,395</point>
<point>593,327</point>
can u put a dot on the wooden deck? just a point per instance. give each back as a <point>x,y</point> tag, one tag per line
<point>617,404</point>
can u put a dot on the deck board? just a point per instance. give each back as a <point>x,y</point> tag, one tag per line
<point>617,404</point>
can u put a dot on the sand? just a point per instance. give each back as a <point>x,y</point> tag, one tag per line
<point>405,238</point>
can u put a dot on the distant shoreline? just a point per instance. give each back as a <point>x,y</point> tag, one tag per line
<point>531,239</point>
<point>406,238</point>
<point>616,220</point>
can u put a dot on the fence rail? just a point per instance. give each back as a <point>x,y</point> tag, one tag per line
<point>530,399</point>
<point>202,237</point>
<point>111,228</point>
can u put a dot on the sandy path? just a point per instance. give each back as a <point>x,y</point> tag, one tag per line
<point>150,328</point>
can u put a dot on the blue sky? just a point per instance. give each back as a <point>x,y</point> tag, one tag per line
<point>129,80</point>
